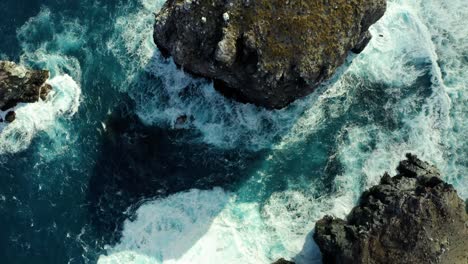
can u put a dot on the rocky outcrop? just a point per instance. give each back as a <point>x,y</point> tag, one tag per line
<point>10,116</point>
<point>266,52</point>
<point>283,261</point>
<point>21,85</point>
<point>413,217</point>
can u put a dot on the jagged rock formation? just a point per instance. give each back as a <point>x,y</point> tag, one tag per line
<point>414,217</point>
<point>266,52</point>
<point>21,85</point>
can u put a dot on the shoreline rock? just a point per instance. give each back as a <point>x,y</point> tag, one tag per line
<point>265,52</point>
<point>413,217</point>
<point>21,85</point>
<point>283,261</point>
<point>10,116</point>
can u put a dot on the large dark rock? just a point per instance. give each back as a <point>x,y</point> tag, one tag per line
<point>21,85</point>
<point>414,217</point>
<point>266,52</point>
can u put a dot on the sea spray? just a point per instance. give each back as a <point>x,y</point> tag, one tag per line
<point>62,102</point>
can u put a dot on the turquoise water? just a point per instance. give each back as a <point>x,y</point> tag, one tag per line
<point>101,172</point>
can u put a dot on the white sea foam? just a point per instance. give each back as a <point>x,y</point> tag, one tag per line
<point>420,40</point>
<point>206,227</point>
<point>52,41</point>
<point>167,228</point>
<point>62,102</point>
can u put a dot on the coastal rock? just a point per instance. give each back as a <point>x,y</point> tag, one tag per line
<point>10,116</point>
<point>413,217</point>
<point>266,52</point>
<point>21,85</point>
<point>283,261</point>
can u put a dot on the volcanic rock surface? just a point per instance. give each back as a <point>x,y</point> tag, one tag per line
<point>266,52</point>
<point>21,85</point>
<point>413,217</point>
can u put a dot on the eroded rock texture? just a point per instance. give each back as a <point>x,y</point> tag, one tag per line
<point>21,85</point>
<point>413,217</point>
<point>266,52</point>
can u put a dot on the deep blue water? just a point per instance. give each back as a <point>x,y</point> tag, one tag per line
<point>65,209</point>
<point>119,178</point>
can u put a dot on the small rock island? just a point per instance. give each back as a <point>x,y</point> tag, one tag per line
<point>265,52</point>
<point>21,85</point>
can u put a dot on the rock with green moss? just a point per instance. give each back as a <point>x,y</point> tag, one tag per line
<point>266,52</point>
<point>414,217</point>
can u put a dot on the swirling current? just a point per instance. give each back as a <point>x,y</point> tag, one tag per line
<point>102,173</point>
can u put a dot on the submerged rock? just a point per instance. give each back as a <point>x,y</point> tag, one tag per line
<point>413,217</point>
<point>21,85</point>
<point>10,116</point>
<point>266,52</point>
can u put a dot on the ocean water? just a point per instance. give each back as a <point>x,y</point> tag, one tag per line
<point>101,172</point>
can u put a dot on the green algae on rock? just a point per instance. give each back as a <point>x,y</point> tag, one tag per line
<point>266,52</point>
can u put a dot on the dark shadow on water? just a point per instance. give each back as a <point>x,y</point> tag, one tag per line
<point>139,162</point>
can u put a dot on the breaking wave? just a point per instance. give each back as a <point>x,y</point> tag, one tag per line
<point>42,116</point>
